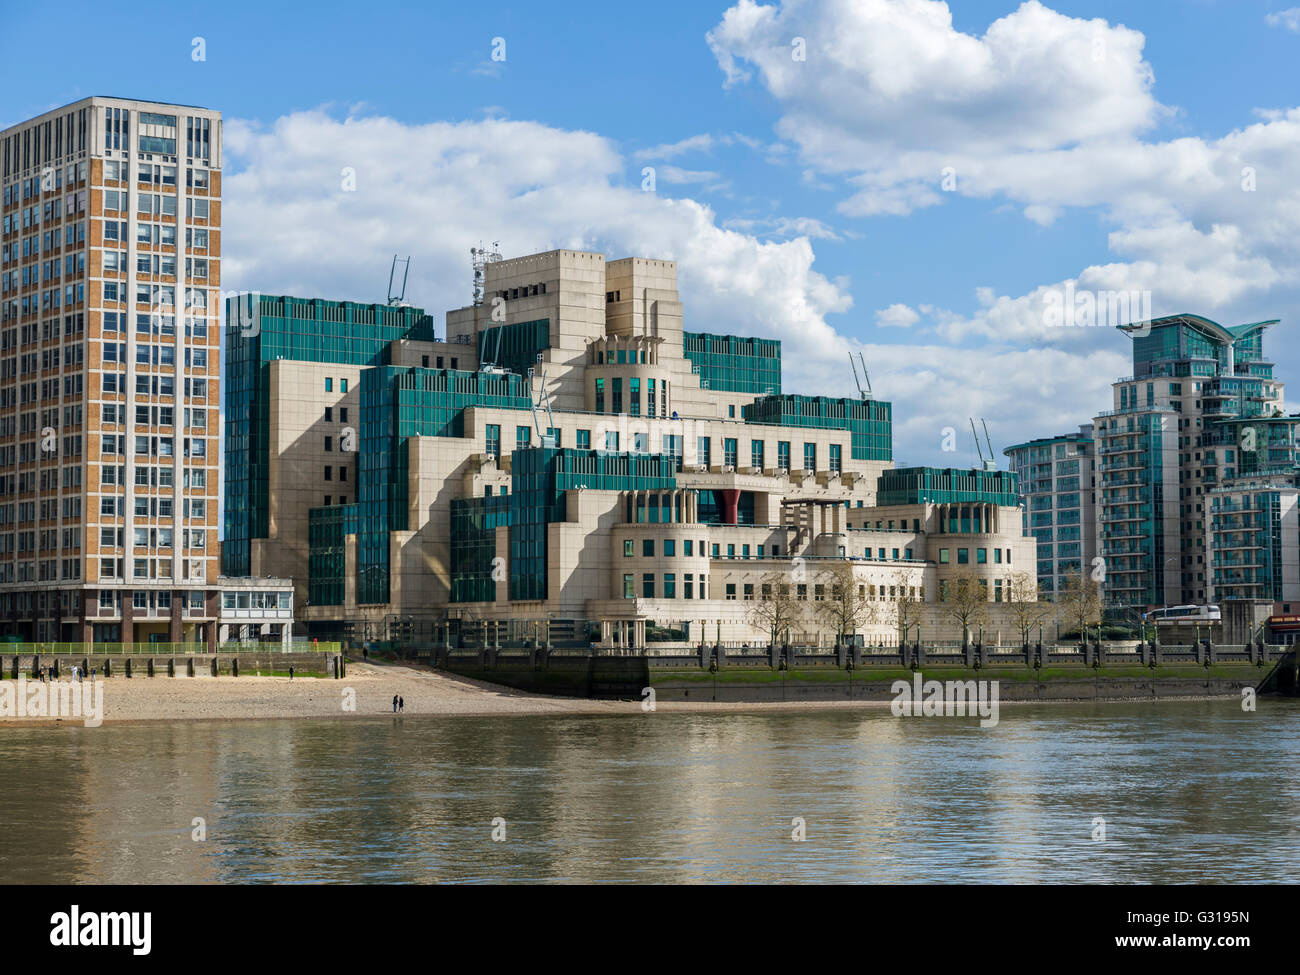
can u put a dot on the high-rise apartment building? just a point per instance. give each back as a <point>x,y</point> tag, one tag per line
<point>110,270</point>
<point>1057,478</point>
<point>1200,417</point>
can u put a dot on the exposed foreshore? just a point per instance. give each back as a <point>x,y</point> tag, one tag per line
<point>368,689</point>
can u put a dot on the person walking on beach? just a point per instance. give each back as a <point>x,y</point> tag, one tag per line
<point>401,704</point>
<point>394,704</point>
<point>291,671</point>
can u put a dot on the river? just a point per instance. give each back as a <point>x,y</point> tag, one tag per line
<point>1174,791</point>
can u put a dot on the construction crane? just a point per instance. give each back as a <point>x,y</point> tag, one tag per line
<point>990,463</point>
<point>399,299</point>
<point>543,402</point>
<point>865,380</point>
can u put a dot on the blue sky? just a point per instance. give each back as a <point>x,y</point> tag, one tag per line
<point>803,199</point>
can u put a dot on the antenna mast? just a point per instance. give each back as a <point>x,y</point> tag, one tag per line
<point>480,258</point>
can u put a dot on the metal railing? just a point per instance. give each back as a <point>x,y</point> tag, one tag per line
<point>88,648</point>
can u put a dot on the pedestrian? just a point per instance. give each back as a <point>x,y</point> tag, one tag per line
<point>291,671</point>
<point>401,704</point>
<point>394,704</point>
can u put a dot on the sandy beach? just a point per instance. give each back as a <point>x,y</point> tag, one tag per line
<point>370,686</point>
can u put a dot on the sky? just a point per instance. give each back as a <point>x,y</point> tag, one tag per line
<point>927,184</point>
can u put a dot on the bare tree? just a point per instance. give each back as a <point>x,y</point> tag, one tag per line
<point>775,609</point>
<point>1081,602</point>
<point>1027,609</point>
<point>908,604</point>
<point>846,607</point>
<point>964,599</point>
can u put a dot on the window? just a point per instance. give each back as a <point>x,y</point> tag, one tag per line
<point>648,547</point>
<point>670,547</point>
<point>628,586</point>
<point>493,439</point>
<point>628,549</point>
<point>522,436</point>
<point>329,444</point>
<point>329,473</point>
<point>670,585</point>
<point>963,556</point>
<point>810,456</point>
<point>756,453</point>
<point>584,439</point>
<point>648,585</point>
<point>329,385</point>
<point>943,556</point>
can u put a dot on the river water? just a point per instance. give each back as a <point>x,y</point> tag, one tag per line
<point>1188,791</point>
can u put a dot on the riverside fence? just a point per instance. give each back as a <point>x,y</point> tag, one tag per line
<point>627,673</point>
<point>161,649</point>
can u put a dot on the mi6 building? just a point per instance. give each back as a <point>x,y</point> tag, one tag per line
<point>563,457</point>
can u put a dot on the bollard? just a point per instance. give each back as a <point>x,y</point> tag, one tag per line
<point>234,666</point>
<point>189,666</point>
<point>171,666</point>
<point>54,669</point>
<point>108,666</point>
<point>214,665</point>
<point>15,671</point>
<point>128,668</point>
<point>85,667</point>
<point>148,667</point>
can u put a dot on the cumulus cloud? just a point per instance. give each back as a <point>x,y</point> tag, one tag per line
<point>433,191</point>
<point>1045,112</point>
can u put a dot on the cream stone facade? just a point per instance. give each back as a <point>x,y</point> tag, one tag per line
<point>580,469</point>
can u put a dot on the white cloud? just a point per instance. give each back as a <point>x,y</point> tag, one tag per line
<point>1288,19</point>
<point>433,191</point>
<point>671,150</point>
<point>785,227</point>
<point>678,176</point>
<point>897,316</point>
<point>936,387</point>
<point>1043,112</point>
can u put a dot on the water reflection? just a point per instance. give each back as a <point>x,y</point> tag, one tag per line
<point>1189,791</point>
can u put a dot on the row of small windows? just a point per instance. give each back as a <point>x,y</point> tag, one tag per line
<point>981,556</point>
<point>689,549</point>
<point>525,291</point>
